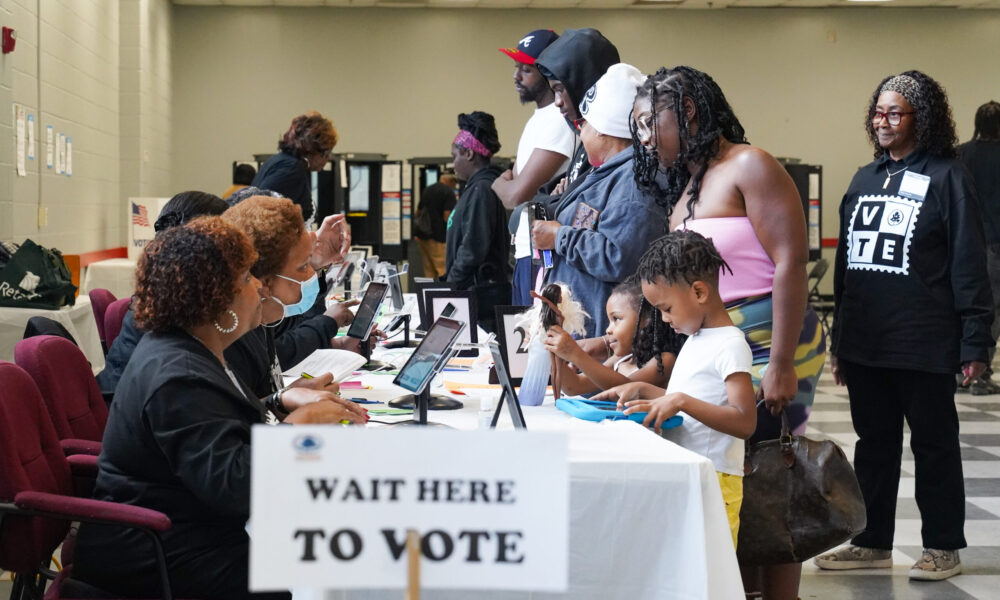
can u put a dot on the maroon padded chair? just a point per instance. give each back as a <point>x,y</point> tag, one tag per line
<point>100,300</point>
<point>37,504</point>
<point>69,389</point>
<point>113,318</point>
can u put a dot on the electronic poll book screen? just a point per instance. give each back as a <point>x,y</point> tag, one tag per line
<point>364,319</point>
<point>421,367</point>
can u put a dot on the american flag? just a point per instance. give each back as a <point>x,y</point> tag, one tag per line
<point>139,216</point>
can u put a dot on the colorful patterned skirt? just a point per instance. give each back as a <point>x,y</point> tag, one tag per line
<point>754,316</point>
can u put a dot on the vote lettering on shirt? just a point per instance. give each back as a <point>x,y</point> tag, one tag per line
<point>879,234</point>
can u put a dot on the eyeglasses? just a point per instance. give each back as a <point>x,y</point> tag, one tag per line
<point>893,116</point>
<point>644,125</point>
<point>579,123</point>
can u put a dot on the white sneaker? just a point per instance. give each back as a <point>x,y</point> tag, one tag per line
<point>854,557</point>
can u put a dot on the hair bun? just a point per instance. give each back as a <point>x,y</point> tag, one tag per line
<point>483,127</point>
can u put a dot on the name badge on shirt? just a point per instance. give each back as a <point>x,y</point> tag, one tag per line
<point>914,186</point>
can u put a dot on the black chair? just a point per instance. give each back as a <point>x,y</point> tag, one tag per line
<point>822,303</point>
<point>46,326</point>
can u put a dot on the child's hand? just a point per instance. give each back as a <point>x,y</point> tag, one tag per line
<point>630,391</point>
<point>659,409</point>
<point>559,342</point>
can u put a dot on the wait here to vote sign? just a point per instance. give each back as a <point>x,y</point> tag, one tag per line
<point>330,507</point>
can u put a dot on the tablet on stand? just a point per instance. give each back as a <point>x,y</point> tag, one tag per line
<point>426,361</point>
<point>364,322</point>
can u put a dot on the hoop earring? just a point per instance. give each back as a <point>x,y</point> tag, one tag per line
<point>236,322</point>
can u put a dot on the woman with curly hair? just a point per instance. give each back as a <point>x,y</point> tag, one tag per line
<point>290,288</point>
<point>477,239</point>
<point>913,305</point>
<point>305,147</point>
<point>691,151</point>
<point>178,433</point>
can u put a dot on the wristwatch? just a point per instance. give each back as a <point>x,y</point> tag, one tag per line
<point>274,404</point>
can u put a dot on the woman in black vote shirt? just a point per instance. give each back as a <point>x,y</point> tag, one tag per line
<point>178,433</point>
<point>913,305</point>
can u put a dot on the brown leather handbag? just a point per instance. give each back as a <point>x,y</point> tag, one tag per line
<point>800,498</point>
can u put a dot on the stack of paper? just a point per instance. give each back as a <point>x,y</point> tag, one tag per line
<point>339,362</point>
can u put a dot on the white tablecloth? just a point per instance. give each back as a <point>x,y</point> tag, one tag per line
<point>115,274</point>
<point>77,319</point>
<point>647,521</point>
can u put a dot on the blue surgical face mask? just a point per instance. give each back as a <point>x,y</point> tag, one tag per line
<point>310,289</point>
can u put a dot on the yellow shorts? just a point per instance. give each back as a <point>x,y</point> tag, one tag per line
<point>732,496</point>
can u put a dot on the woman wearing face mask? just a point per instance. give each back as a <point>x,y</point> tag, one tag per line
<point>289,287</point>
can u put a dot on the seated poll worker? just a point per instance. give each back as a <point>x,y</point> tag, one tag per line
<point>309,328</point>
<point>477,241</point>
<point>603,225</point>
<point>178,433</point>
<point>180,209</point>
<point>289,286</point>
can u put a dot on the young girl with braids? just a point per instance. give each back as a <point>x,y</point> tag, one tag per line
<point>641,347</point>
<point>692,152</point>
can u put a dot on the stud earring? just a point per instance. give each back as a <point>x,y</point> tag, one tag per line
<point>236,321</point>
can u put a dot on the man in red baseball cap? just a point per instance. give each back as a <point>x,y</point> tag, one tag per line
<point>545,146</point>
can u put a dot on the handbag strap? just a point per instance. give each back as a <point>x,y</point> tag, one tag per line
<point>785,441</point>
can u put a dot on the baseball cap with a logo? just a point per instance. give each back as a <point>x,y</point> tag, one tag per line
<point>531,45</point>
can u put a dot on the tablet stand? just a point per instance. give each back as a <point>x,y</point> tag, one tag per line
<point>371,365</point>
<point>516,416</point>
<point>434,402</point>
<point>420,403</point>
<point>406,341</point>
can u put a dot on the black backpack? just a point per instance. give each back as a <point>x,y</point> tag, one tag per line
<point>36,277</point>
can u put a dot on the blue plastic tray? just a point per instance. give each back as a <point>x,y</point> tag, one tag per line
<point>599,410</point>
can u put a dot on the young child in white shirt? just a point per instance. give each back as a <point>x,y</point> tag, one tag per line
<point>710,383</point>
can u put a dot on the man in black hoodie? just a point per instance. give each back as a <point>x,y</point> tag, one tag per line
<point>572,65</point>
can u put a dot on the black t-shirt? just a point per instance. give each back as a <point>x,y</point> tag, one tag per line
<point>289,176</point>
<point>910,280</point>
<point>436,199</point>
<point>982,158</point>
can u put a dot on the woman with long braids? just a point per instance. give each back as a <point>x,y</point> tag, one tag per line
<point>691,151</point>
<point>913,305</point>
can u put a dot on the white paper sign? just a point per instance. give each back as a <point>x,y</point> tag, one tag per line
<point>142,213</point>
<point>49,150</point>
<point>60,153</point>
<point>69,156</point>
<point>330,507</point>
<point>390,177</point>
<point>21,126</point>
<point>31,136</point>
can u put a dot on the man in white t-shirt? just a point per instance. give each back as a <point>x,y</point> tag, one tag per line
<point>546,143</point>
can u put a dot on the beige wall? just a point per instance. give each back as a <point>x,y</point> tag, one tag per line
<point>146,99</point>
<point>65,71</point>
<point>99,72</point>
<point>394,80</point>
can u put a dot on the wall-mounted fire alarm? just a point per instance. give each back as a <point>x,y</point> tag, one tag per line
<point>9,38</point>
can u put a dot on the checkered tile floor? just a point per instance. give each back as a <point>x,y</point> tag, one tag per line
<point>979,418</point>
